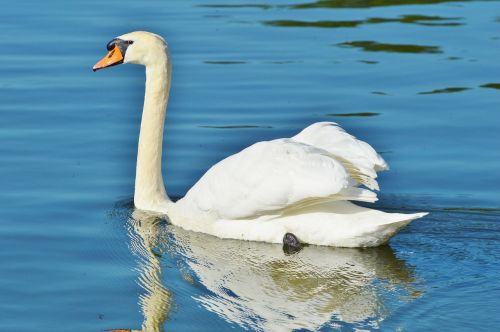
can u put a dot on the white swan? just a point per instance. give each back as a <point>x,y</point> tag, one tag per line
<point>300,185</point>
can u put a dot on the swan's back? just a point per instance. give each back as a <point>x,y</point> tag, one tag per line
<point>274,177</point>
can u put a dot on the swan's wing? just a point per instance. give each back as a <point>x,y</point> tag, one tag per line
<point>353,153</point>
<point>269,177</point>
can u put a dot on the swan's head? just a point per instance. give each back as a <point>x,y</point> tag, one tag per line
<point>139,47</point>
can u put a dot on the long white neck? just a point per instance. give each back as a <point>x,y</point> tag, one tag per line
<point>149,187</point>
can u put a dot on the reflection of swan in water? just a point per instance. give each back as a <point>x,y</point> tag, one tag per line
<point>257,286</point>
<point>144,241</point>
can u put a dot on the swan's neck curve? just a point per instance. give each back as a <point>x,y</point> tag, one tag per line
<point>150,193</point>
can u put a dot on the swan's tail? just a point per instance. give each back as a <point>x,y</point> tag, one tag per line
<point>384,231</point>
<point>344,224</point>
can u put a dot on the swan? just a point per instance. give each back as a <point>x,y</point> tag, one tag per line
<point>293,191</point>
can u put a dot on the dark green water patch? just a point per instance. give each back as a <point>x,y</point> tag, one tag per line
<point>315,24</point>
<point>224,62</point>
<point>443,24</point>
<point>405,19</point>
<point>368,62</point>
<point>418,19</point>
<point>364,3</point>
<point>235,127</point>
<point>354,114</point>
<point>372,46</point>
<point>379,93</point>
<point>491,86</point>
<point>446,90</point>
<point>257,6</point>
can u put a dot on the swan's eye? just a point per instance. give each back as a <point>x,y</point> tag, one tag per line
<point>129,42</point>
<point>111,44</point>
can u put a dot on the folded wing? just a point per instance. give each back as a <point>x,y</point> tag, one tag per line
<point>359,158</point>
<point>271,177</point>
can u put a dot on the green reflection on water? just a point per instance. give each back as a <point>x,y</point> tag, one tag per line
<point>406,19</point>
<point>333,4</point>
<point>316,24</point>
<point>491,85</point>
<point>372,46</point>
<point>364,3</point>
<point>419,19</point>
<point>260,6</point>
<point>446,90</point>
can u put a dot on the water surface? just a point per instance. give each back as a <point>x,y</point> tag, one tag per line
<point>416,79</point>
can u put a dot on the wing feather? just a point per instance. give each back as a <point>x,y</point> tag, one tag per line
<point>271,177</point>
<point>359,158</point>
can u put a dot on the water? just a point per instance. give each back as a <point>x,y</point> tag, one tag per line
<point>417,79</point>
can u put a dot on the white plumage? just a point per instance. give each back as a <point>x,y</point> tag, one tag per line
<point>268,178</point>
<point>300,185</point>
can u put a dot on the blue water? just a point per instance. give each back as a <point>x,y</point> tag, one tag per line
<point>418,80</point>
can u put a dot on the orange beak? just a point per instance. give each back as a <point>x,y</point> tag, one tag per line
<point>114,57</point>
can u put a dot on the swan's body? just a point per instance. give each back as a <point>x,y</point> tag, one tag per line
<point>300,185</point>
